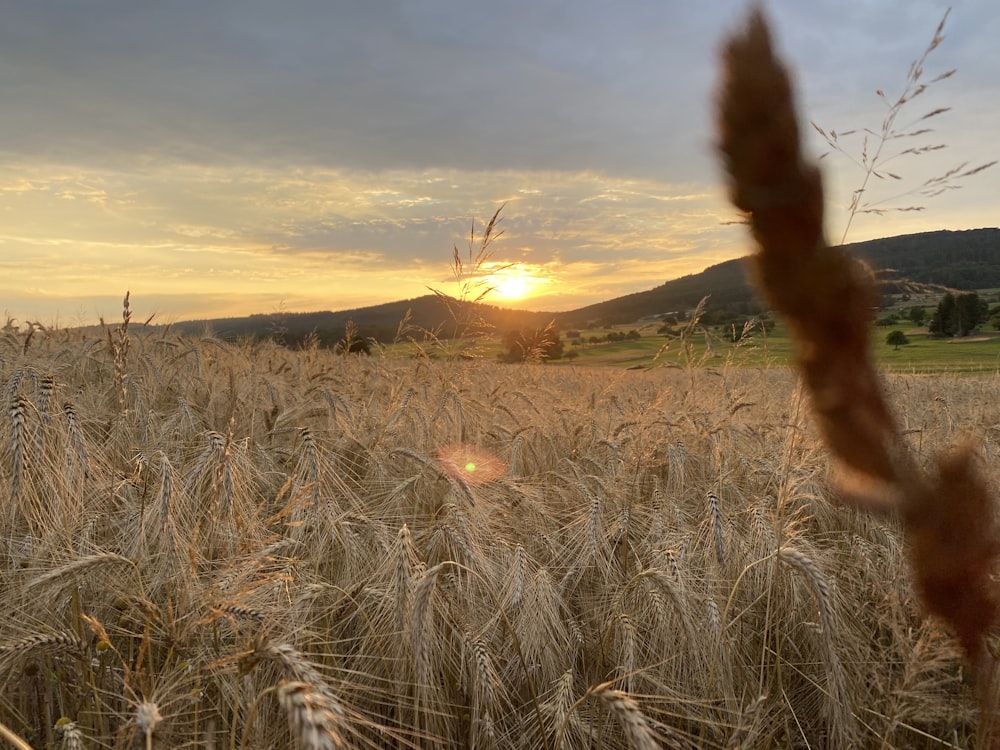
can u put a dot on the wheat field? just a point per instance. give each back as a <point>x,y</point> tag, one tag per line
<point>238,546</point>
<point>220,545</point>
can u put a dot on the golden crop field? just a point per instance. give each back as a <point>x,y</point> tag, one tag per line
<point>240,546</point>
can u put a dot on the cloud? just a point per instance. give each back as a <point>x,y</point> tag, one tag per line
<point>623,89</point>
<point>369,86</point>
<point>330,234</point>
<point>332,154</point>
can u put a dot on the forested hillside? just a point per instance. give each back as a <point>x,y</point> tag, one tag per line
<point>958,260</point>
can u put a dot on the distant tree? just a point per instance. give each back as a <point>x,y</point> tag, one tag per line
<point>971,312</point>
<point>942,322</point>
<point>918,315</point>
<point>572,354</point>
<point>550,345</point>
<point>888,320</point>
<point>633,335</point>
<point>958,316</point>
<point>896,339</point>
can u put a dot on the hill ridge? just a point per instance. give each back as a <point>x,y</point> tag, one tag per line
<point>955,259</point>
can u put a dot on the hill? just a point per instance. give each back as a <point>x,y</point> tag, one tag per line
<point>726,284</point>
<point>945,259</point>
<point>381,322</point>
<point>967,259</point>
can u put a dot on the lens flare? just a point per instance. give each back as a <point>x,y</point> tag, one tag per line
<point>470,464</point>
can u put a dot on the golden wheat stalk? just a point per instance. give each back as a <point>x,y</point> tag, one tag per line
<point>12,739</point>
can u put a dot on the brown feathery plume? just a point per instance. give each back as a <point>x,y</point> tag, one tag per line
<point>826,296</point>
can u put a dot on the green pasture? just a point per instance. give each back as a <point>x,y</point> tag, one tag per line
<point>974,355</point>
<point>978,354</point>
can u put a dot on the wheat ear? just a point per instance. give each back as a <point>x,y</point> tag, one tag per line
<point>715,511</point>
<point>72,737</point>
<point>18,416</point>
<point>838,705</point>
<point>313,716</point>
<point>637,730</point>
<point>147,719</point>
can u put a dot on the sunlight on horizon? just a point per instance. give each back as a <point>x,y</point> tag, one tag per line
<point>210,242</point>
<point>517,282</point>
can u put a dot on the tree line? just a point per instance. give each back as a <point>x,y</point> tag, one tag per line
<point>955,316</point>
<point>959,315</point>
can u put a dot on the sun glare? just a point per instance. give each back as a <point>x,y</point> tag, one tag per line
<point>512,287</point>
<point>515,283</point>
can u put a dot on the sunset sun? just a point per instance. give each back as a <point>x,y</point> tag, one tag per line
<point>515,282</point>
<point>513,287</point>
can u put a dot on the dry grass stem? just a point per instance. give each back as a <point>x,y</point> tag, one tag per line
<point>15,741</point>
<point>875,162</point>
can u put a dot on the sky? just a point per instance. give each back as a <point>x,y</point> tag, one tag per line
<point>229,157</point>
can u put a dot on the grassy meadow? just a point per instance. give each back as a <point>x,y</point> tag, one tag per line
<point>220,545</point>
<point>773,347</point>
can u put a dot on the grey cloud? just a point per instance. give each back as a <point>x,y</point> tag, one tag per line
<point>621,88</point>
<point>344,84</point>
<point>317,128</point>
